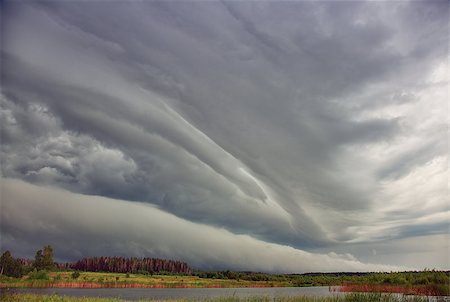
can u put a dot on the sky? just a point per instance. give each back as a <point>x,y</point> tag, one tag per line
<point>274,136</point>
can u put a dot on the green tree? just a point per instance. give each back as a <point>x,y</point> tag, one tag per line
<point>43,260</point>
<point>5,262</point>
<point>47,258</point>
<point>38,260</point>
<point>9,266</point>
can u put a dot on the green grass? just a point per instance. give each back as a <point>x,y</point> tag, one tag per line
<point>354,297</point>
<point>111,279</point>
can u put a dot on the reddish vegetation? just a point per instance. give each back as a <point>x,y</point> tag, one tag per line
<point>425,290</point>
<point>120,285</point>
<point>88,285</point>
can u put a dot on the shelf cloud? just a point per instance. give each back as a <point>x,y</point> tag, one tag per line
<point>306,132</point>
<point>138,228</point>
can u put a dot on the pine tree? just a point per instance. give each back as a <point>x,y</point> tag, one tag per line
<point>38,260</point>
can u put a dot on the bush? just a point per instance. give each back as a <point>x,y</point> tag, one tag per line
<point>38,275</point>
<point>440,289</point>
<point>75,275</point>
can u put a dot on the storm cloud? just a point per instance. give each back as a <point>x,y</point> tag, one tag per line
<point>139,229</point>
<point>284,127</point>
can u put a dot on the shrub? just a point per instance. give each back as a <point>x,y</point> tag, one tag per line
<point>38,275</point>
<point>75,275</point>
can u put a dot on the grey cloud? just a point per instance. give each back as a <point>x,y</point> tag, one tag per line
<point>54,214</point>
<point>58,156</point>
<point>425,251</point>
<point>262,118</point>
<point>95,120</point>
<point>95,169</point>
<point>406,162</point>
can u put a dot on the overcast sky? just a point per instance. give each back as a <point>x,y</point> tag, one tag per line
<point>247,135</point>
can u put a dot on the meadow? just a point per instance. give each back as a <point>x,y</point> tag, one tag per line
<point>121,280</point>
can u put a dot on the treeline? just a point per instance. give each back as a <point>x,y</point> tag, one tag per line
<point>43,261</point>
<point>431,281</point>
<point>130,265</point>
<point>439,280</point>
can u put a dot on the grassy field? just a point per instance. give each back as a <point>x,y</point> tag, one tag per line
<point>96,280</point>
<point>355,297</point>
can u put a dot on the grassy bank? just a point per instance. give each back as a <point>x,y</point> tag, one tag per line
<point>117,280</point>
<point>355,297</point>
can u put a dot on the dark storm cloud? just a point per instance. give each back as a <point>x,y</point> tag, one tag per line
<point>288,122</point>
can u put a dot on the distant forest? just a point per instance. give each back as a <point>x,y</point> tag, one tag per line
<point>128,265</point>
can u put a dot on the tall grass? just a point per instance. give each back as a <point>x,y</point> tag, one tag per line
<point>353,297</point>
<point>53,298</point>
<point>420,290</point>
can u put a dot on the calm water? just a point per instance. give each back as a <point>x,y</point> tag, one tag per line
<point>174,293</point>
<point>189,293</point>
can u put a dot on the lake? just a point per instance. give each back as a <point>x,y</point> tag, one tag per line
<point>189,293</point>
<point>175,293</point>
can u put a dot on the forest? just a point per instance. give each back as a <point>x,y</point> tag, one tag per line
<point>129,265</point>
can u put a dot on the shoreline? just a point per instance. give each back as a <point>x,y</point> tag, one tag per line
<point>131,285</point>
